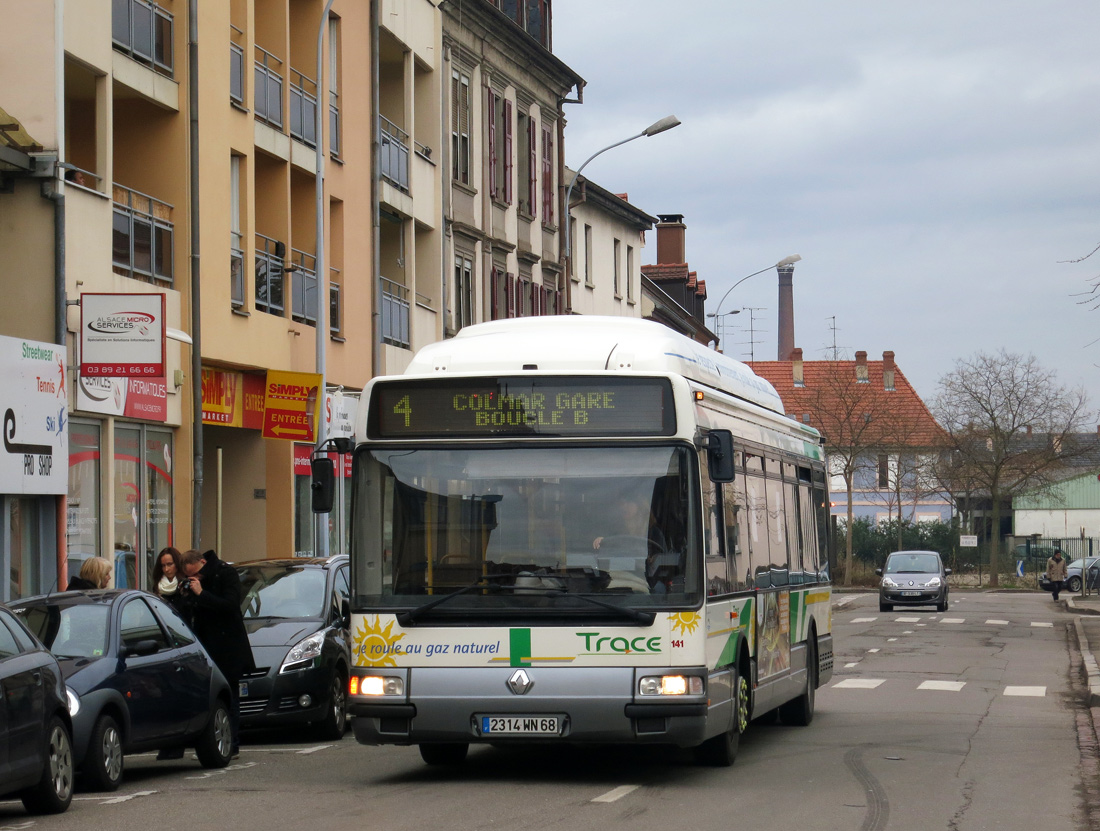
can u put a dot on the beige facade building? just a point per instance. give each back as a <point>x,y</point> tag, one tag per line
<point>102,109</point>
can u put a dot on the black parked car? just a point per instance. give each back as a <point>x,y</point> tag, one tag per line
<point>295,611</point>
<point>36,753</point>
<point>137,679</point>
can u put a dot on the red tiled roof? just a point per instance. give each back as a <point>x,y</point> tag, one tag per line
<point>825,382</point>
<point>666,271</point>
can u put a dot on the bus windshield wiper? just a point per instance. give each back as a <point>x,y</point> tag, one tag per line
<point>409,617</point>
<point>635,615</point>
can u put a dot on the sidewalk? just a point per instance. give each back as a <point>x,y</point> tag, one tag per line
<point>1087,608</point>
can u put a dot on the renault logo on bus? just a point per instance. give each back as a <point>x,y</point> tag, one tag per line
<point>520,682</point>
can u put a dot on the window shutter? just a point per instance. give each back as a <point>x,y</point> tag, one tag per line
<point>507,151</point>
<point>510,294</point>
<point>492,106</point>
<point>547,176</point>
<point>532,166</point>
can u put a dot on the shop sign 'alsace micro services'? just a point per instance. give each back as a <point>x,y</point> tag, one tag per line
<point>122,335</point>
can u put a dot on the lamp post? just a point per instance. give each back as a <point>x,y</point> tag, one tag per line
<point>720,328</point>
<point>784,263</point>
<point>666,123</point>
<point>320,521</point>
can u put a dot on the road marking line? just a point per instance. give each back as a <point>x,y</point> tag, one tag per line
<point>953,620</point>
<point>309,750</point>
<point>947,686</point>
<point>1040,623</point>
<point>997,622</point>
<point>859,683</point>
<point>873,650</point>
<point>864,619</point>
<point>907,619</point>
<point>891,640</point>
<point>1037,692</point>
<point>126,797</point>
<point>223,771</point>
<point>907,632</point>
<point>853,664</point>
<point>616,794</point>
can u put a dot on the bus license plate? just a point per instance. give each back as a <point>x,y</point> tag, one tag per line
<point>910,594</point>
<point>525,725</point>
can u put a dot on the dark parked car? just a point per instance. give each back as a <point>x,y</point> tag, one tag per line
<point>36,753</point>
<point>137,679</point>
<point>913,578</point>
<point>295,611</point>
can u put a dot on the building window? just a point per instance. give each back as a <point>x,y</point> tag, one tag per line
<point>143,30</point>
<point>547,175</point>
<point>887,471</point>
<point>270,279</point>
<point>236,247</point>
<point>143,501</point>
<point>236,65</point>
<point>460,127</point>
<point>630,273</point>
<point>82,522</point>
<point>500,147</point>
<point>617,269</point>
<point>142,237</point>
<point>464,290</point>
<point>527,177</point>
<point>334,86</point>
<point>588,274</point>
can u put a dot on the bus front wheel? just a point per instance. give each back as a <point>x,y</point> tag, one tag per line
<point>721,750</point>
<point>444,754</point>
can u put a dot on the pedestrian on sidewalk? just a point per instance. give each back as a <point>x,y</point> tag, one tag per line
<point>1056,572</point>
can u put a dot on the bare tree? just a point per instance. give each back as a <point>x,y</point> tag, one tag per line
<point>1011,427</point>
<point>854,421</point>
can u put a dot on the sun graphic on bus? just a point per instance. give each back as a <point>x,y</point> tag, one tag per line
<point>684,622</point>
<point>375,646</point>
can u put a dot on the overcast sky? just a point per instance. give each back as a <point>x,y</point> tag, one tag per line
<point>932,163</point>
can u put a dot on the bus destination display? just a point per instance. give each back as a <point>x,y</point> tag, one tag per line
<point>502,407</point>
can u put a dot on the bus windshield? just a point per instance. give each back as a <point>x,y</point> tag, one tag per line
<point>519,529</point>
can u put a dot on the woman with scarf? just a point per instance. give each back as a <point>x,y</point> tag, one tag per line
<point>166,583</point>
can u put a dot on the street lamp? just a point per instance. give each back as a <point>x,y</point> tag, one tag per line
<point>786,261</point>
<point>666,123</point>
<point>720,328</point>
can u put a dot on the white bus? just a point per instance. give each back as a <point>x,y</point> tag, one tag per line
<point>583,529</point>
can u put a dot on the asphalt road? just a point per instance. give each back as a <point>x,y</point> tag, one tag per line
<point>964,720</point>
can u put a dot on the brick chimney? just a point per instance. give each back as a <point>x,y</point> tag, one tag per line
<point>861,367</point>
<point>786,311</point>
<point>796,368</point>
<point>670,239</point>
<point>888,370</point>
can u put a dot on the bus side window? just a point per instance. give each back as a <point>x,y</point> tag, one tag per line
<point>759,539</point>
<point>735,512</point>
<point>716,565</point>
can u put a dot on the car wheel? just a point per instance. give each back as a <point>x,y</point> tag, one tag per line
<point>800,711</point>
<point>54,790</point>
<point>215,746</point>
<point>444,754</point>
<point>103,767</point>
<point>336,717</point>
<point>1074,583</point>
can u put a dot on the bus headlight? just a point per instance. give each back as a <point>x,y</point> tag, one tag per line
<point>670,685</point>
<point>376,685</point>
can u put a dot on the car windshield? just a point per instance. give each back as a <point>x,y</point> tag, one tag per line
<point>917,563</point>
<point>510,530</point>
<point>77,631</point>
<point>282,591</point>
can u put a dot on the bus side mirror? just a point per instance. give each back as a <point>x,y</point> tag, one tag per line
<point>322,484</point>
<point>720,455</point>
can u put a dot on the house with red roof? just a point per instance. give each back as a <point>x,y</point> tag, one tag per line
<point>880,437</point>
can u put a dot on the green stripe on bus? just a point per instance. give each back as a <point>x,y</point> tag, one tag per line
<point>519,647</point>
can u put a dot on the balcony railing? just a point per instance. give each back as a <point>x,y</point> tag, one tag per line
<point>143,30</point>
<point>236,66</point>
<point>269,89</point>
<point>334,307</point>
<point>269,275</point>
<point>395,153</point>
<point>142,237</point>
<point>334,124</point>
<point>304,287</point>
<point>303,108</point>
<point>236,270</point>
<point>395,313</point>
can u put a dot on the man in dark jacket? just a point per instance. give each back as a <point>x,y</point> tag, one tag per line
<point>215,591</point>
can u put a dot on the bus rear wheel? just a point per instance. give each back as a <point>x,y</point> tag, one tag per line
<point>800,711</point>
<point>444,754</point>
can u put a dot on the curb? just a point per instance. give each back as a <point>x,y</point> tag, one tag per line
<point>1091,668</point>
<point>1072,606</point>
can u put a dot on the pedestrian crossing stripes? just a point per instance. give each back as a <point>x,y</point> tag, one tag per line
<point>938,686</point>
<point>951,621</point>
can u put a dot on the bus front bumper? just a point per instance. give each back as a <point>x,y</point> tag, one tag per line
<point>559,704</point>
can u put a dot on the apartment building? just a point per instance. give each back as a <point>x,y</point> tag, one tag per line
<point>503,194</point>
<point>103,112</point>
